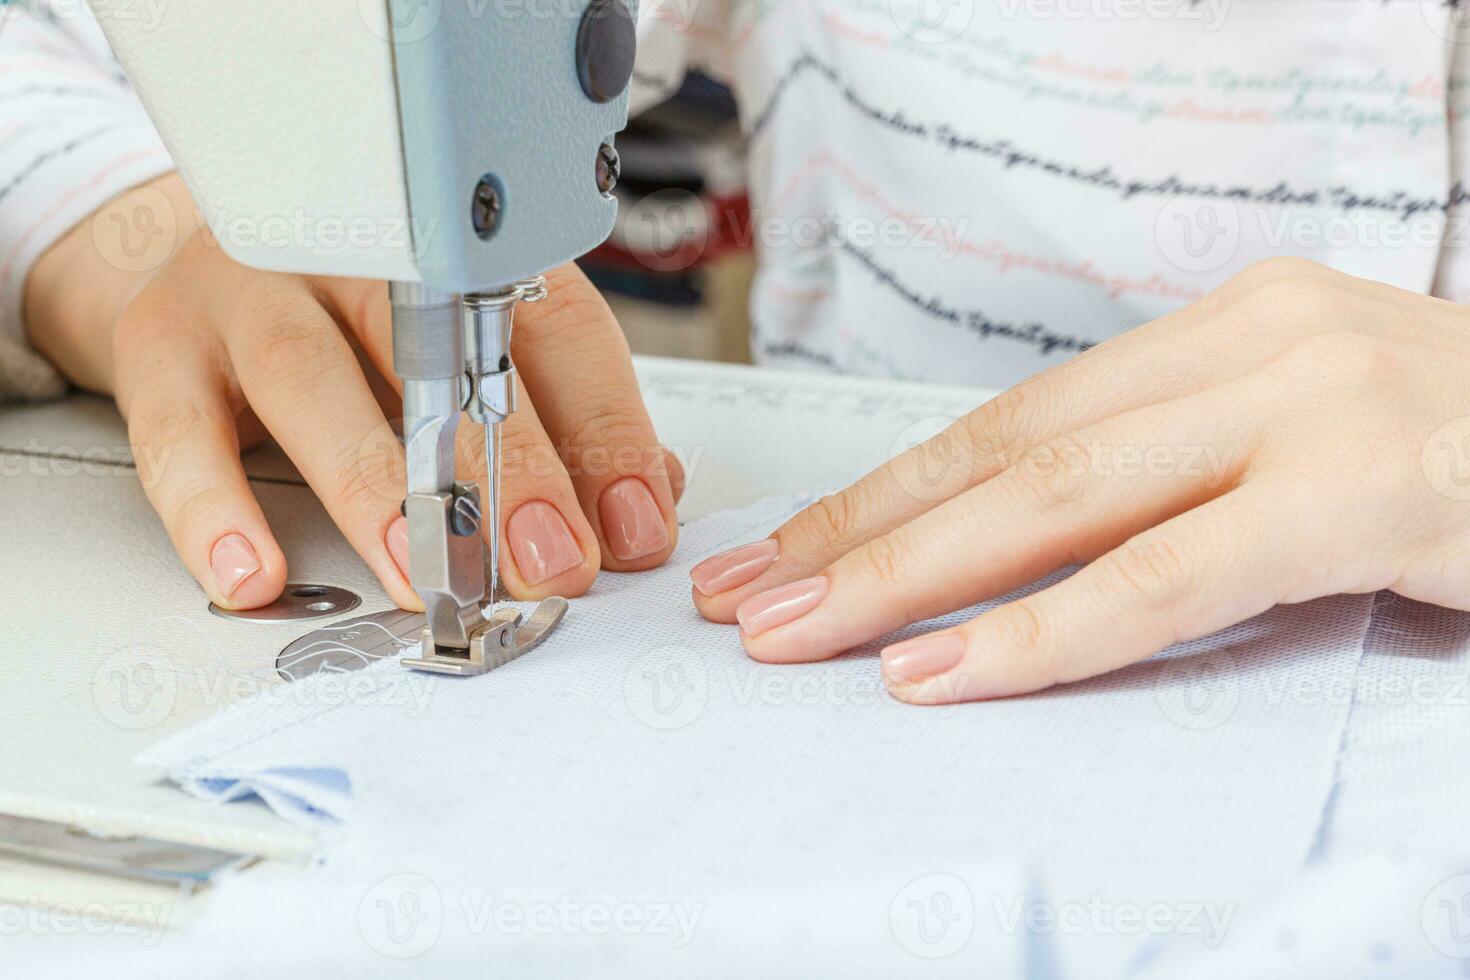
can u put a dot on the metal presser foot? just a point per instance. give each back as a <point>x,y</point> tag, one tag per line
<point>503,637</point>
<point>453,354</point>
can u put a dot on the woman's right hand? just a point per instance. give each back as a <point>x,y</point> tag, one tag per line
<point>206,356</point>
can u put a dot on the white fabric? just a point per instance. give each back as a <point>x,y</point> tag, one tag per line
<point>641,755</point>
<point>1402,780</point>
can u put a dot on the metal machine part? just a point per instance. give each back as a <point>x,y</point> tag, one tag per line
<point>503,637</point>
<point>489,319</point>
<point>300,601</point>
<point>351,645</point>
<point>453,355</point>
<point>363,641</point>
<point>142,858</point>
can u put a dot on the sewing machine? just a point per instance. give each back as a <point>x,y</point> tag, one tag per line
<point>467,148</point>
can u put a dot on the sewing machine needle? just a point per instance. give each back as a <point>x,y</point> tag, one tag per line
<point>492,465</point>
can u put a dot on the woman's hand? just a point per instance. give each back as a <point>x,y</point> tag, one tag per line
<point>1297,433</point>
<point>206,356</point>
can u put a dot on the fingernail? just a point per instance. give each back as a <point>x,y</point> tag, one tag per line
<point>397,541</point>
<point>631,520</point>
<point>779,606</point>
<point>233,561</point>
<point>923,657</point>
<point>734,568</point>
<point>541,541</point>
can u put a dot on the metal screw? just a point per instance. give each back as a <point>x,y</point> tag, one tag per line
<point>485,210</point>
<point>464,520</point>
<point>609,168</point>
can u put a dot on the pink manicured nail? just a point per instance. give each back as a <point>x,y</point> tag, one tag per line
<point>397,541</point>
<point>923,657</point>
<point>780,605</point>
<point>233,561</point>
<point>541,541</point>
<point>734,568</point>
<point>631,520</point>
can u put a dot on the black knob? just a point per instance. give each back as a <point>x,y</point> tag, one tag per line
<point>606,44</point>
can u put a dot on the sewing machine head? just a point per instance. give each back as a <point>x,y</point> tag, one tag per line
<point>457,149</point>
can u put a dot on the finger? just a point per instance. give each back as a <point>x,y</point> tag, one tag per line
<point>186,448</point>
<point>1205,345</point>
<point>547,546</point>
<point>576,366</point>
<point>303,381</point>
<point>1071,500</point>
<point>677,477</point>
<point>1204,570</point>
<point>361,307</point>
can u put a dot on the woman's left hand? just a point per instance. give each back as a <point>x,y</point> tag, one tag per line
<point>1297,433</point>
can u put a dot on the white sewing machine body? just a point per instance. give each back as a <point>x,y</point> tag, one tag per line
<point>347,137</point>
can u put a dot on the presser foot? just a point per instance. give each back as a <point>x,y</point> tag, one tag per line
<point>501,638</point>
